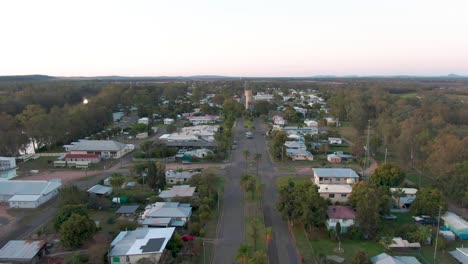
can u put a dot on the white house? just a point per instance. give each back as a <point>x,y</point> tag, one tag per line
<point>345,215</point>
<point>335,141</point>
<point>143,120</point>
<point>163,214</point>
<point>311,123</point>
<point>168,121</point>
<point>335,192</point>
<point>28,194</point>
<point>203,120</point>
<point>331,121</point>
<point>106,149</point>
<point>335,176</point>
<point>299,154</point>
<point>300,130</point>
<point>131,246</point>
<point>199,153</point>
<point>175,177</point>
<point>7,167</point>
<point>295,145</point>
<point>279,120</point>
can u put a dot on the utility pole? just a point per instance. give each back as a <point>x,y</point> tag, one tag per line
<point>385,155</point>
<point>437,235</point>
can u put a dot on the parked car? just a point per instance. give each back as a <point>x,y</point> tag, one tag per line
<point>186,162</point>
<point>390,217</point>
<point>188,237</point>
<point>425,220</point>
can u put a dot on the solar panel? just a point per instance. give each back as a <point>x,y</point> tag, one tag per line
<point>153,245</point>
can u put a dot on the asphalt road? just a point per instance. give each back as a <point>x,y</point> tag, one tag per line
<point>231,227</point>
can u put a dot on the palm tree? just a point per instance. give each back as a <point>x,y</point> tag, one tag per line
<point>245,180</point>
<point>246,154</point>
<point>257,158</point>
<point>243,253</point>
<point>397,194</point>
<point>422,234</point>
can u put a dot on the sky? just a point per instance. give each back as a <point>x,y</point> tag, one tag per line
<point>233,38</point>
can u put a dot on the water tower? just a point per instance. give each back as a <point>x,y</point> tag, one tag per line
<point>248,96</point>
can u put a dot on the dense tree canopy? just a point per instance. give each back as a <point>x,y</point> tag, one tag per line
<point>387,174</point>
<point>76,230</point>
<point>428,201</point>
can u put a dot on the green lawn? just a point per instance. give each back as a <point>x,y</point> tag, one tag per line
<point>417,178</point>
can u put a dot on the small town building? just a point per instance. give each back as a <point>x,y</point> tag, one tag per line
<point>91,158</point>
<point>335,141</point>
<point>345,215</point>
<point>7,167</point>
<point>143,120</point>
<point>168,121</point>
<point>28,194</point>
<point>384,258</point>
<point>23,251</point>
<point>335,192</point>
<point>300,130</point>
<point>460,254</point>
<point>333,158</point>
<point>199,153</point>
<point>106,149</point>
<point>295,145</point>
<point>311,123</point>
<point>456,224</point>
<point>166,214</point>
<point>296,137</point>
<point>331,121</point>
<point>142,135</point>
<point>131,246</point>
<point>176,177</point>
<point>299,154</point>
<point>117,116</point>
<point>335,176</point>
<point>127,210</point>
<point>279,120</point>
<point>203,120</point>
<point>405,201</point>
<point>100,190</point>
<point>399,243</point>
<point>177,191</point>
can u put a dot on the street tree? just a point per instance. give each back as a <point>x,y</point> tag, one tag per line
<point>257,158</point>
<point>259,257</point>
<point>76,230</point>
<point>117,180</point>
<point>428,201</point>
<point>66,211</point>
<point>387,174</point>
<point>243,253</point>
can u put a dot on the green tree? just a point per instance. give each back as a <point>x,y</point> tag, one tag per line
<point>257,158</point>
<point>72,195</point>
<point>117,180</point>
<point>422,234</point>
<point>243,253</point>
<point>427,202</point>
<point>125,225</point>
<point>259,257</point>
<point>387,174</point>
<point>246,155</point>
<point>254,232</point>
<point>160,175</point>
<point>76,230</point>
<point>361,257</point>
<point>175,245</point>
<point>66,211</point>
<point>152,175</point>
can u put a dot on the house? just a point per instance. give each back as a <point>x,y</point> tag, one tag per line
<point>335,176</point>
<point>295,145</point>
<point>23,251</point>
<point>295,137</point>
<point>311,123</point>
<point>127,210</point>
<point>168,121</point>
<point>335,192</point>
<point>384,258</point>
<point>106,149</point>
<point>335,141</point>
<point>345,215</point>
<point>176,177</point>
<point>177,191</point>
<point>163,214</point>
<point>456,224</point>
<point>300,130</point>
<point>331,121</point>
<point>333,158</point>
<point>7,167</point>
<point>141,135</point>
<point>143,120</point>
<point>263,96</point>
<point>279,120</point>
<point>460,254</point>
<point>409,194</point>
<point>203,120</point>
<point>199,153</point>
<point>131,246</point>
<point>28,194</point>
<point>91,158</point>
<point>100,190</point>
<point>299,154</point>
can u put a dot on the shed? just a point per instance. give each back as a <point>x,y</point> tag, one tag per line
<point>460,254</point>
<point>127,210</point>
<point>23,251</point>
<point>100,189</point>
<point>333,158</point>
<point>456,224</point>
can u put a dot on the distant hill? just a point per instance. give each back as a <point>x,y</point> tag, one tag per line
<point>22,78</point>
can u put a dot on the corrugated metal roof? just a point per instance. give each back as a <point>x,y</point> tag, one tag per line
<point>100,189</point>
<point>127,209</point>
<point>21,249</point>
<point>178,191</point>
<point>133,242</point>
<point>96,145</point>
<point>335,172</point>
<point>24,198</point>
<point>165,212</point>
<point>18,187</point>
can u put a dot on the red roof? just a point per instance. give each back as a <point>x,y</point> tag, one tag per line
<point>81,156</point>
<point>341,212</point>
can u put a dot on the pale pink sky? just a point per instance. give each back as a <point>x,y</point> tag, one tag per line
<point>235,38</point>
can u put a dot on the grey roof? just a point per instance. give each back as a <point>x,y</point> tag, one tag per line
<point>127,209</point>
<point>18,187</point>
<point>298,152</point>
<point>335,172</point>
<point>199,143</point>
<point>460,254</point>
<point>96,145</point>
<point>166,212</point>
<point>384,258</point>
<point>100,189</point>
<point>178,191</point>
<point>180,174</point>
<point>21,249</point>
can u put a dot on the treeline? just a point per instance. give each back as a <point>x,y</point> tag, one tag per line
<point>426,130</point>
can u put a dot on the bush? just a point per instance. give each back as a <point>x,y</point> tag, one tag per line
<point>125,225</point>
<point>111,220</point>
<point>354,233</point>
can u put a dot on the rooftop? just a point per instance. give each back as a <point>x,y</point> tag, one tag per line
<point>384,258</point>
<point>178,191</point>
<point>180,174</point>
<point>141,241</point>
<point>18,187</point>
<point>127,209</point>
<point>335,172</point>
<point>21,250</point>
<point>340,212</point>
<point>96,145</point>
<point>100,189</point>
<point>407,191</point>
<point>335,188</point>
